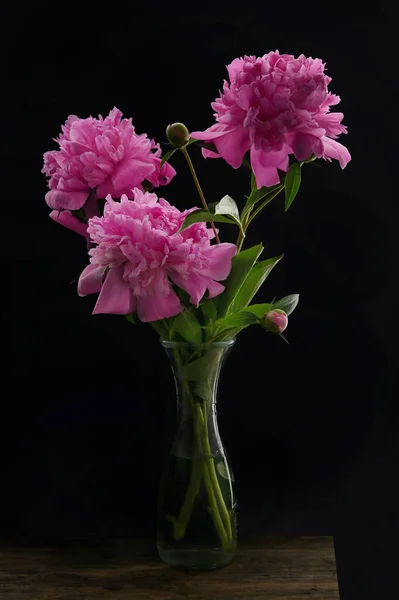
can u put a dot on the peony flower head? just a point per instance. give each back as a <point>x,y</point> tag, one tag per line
<point>105,155</point>
<point>177,135</point>
<point>274,106</point>
<point>275,320</point>
<point>139,253</point>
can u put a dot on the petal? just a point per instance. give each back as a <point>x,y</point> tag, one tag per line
<point>209,154</point>
<point>116,297</point>
<point>305,144</point>
<point>333,149</point>
<point>154,307</point>
<point>166,174</point>
<point>129,174</point>
<point>65,218</point>
<point>232,146</point>
<point>219,261</point>
<point>194,284</point>
<point>264,165</point>
<point>215,131</point>
<point>90,280</point>
<point>214,288</point>
<point>62,200</point>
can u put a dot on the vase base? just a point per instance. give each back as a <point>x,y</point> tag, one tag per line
<point>195,559</point>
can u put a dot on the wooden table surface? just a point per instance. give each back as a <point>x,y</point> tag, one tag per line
<point>121,569</point>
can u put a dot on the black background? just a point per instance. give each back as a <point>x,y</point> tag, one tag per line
<point>88,401</point>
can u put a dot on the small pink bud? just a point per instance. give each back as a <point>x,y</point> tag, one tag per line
<point>177,134</point>
<point>275,320</point>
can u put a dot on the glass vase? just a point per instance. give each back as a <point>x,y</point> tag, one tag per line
<point>197,506</point>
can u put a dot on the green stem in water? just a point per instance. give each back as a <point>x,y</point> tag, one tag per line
<point>200,192</point>
<point>209,484</point>
<point>214,478</point>
<point>202,466</point>
<point>180,524</point>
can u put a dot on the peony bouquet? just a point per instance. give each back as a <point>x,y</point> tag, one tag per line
<point>154,263</point>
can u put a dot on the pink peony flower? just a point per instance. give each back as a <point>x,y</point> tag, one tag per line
<point>139,253</point>
<point>105,155</point>
<point>274,106</point>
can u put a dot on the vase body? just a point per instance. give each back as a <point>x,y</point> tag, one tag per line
<point>197,507</point>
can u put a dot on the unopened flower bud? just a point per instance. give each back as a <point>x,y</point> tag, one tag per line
<point>177,134</point>
<point>275,320</point>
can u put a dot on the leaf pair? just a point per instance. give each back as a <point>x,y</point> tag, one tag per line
<point>224,211</point>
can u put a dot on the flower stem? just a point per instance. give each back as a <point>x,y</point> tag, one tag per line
<point>265,203</point>
<point>202,465</point>
<point>240,240</point>
<point>200,192</point>
<point>209,484</point>
<point>182,520</point>
<point>214,478</point>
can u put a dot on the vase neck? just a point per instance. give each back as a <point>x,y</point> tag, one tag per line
<point>196,370</point>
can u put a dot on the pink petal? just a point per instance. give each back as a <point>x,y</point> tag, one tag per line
<point>116,297</point>
<point>162,176</point>
<point>333,149</point>
<point>155,307</point>
<point>218,261</point>
<point>125,177</point>
<point>65,218</point>
<point>305,144</point>
<point>214,288</point>
<point>215,131</point>
<point>194,284</point>
<point>233,145</point>
<point>62,200</point>
<point>265,163</point>
<point>209,154</point>
<point>90,280</point>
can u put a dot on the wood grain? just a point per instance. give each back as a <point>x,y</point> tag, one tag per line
<point>269,568</point>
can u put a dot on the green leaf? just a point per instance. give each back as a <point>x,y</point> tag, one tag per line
<point>190,141</point>
<point>208,310</point>
<point>288,303</point>
<point>253,282</point>
<point>259,309</point>
<point>269,193</point>
<point>201,215</point>
<point>202,367</point>
<point>184,297</point>
<point>246,163</point>
<point>227,206</point>
<point>283,337</point>
<point>226,334</point>
<point>187,325</point>
<point>209,146</point>
<point>292,184</point>
<point>161,328</point>
<point>239,319</point>
<point>131,318</point>
<point>167,156</point>
<point>242,264</point>
<point>80,214</point>
<point>228,327</point>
